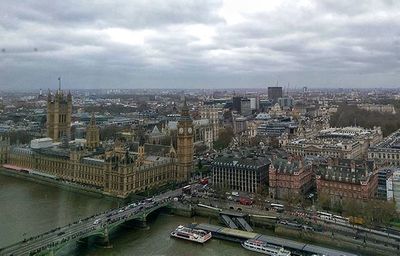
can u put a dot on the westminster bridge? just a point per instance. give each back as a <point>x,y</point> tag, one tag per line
<point>99,225</point>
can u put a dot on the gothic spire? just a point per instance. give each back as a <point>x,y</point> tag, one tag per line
<point>59,84</point>
<point>49,95</point>
<point>185,115</point>
<point>141,137</point>
<point>92,120</point>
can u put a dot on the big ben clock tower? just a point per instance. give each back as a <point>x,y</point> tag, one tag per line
<point>185,145</point>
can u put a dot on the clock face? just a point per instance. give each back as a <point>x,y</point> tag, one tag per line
<point>189,130</point>
<point>181,130</point>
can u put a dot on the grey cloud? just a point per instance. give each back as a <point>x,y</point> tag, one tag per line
<point>341,41</point>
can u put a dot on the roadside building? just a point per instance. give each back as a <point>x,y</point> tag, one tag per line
<point>346,142</point>
<point>346,178</point>
<point>387,152</point>
<point>396,188</point>
<point>248,174</point>
<point>385,184</point>
<point>118,169</point>
<point>290,177</point>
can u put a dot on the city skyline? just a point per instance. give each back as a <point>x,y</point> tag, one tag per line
<point>187,44</point>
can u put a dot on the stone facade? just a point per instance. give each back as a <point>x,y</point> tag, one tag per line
<point>388,108</point>
<point>119,170</point>
<point>4,148</point>
<point>212,114</point>
<point>59,111</point>
<point>347,142</point>
<point>248,174</point>
<point>387,152</point>
<point>92,134</point>
<point>185,145</point>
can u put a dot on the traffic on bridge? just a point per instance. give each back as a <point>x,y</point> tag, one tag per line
<point>93,225</point>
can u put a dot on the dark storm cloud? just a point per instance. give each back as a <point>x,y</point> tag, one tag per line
<point>199,43</point>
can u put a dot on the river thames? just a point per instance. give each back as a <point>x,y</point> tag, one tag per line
<point>28,208</point>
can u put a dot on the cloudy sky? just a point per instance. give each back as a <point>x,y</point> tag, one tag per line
<point>199,43</point>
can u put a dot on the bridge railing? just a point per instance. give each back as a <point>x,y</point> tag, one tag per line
<point>54,240</point>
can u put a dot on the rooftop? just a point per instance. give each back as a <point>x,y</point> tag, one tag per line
<point>252,162</point>
<point>286,166</point>
<point>345,170</point>
<point>390,142</point>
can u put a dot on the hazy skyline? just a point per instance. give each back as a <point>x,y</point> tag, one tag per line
<point>199,44</point>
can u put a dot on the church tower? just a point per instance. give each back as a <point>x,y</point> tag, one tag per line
<point>142,140</point>
<point>59,111</point>
<point>185,145</point>
<point>4,147</point>
<point>92,134</point>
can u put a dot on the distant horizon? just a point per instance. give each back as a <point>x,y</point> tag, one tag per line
<point>231,89</point>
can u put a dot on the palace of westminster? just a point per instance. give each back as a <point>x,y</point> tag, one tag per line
<point>119,169</point>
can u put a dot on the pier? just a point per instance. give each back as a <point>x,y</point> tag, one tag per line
<point>297,248</point>
<point>235,220</point>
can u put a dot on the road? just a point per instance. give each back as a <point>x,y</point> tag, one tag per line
<point>85,227</point>
<point>355,233</point>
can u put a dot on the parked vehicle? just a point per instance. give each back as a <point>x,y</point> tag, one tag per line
<point>245,201</point>
<point>204,181</point>
<point>356,220</point>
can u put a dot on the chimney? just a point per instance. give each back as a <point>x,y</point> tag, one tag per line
<point>353,166</point>
<point>301,164</point>
<point>330,163</point>
<point>290,159</point>
<point>336,161</point>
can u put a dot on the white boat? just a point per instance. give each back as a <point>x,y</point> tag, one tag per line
<point>265,248</point>
<point>195,235</point>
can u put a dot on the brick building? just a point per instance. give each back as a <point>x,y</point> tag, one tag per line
<point>345,178</point>
<point>290,177</point>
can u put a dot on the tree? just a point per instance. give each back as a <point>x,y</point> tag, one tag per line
<point>337,206</point>
<point>224,138</point>
<point>350,115</point>
<point>324,201</point>
<point>200,148</point>
<point>379,212</point>
<point>199,165</point>
<point>352,207</point>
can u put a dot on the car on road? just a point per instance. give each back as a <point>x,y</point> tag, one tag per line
<point>308,228</point>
